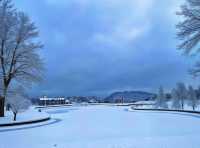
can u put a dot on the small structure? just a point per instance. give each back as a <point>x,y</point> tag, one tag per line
<point>67,101</point>
<point>45,101</point>
<point>93,101</point>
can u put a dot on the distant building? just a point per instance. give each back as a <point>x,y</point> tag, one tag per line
<point>67,101</point>
<point>93,101</point>
<point>45,101</point>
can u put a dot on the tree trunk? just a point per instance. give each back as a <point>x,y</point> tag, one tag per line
<point>182,104</point>
<point>15,116</point>
<point>2,104</point>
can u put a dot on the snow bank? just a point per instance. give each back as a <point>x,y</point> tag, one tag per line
<point>31,114</point>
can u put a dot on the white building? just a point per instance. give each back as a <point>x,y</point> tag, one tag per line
<point>53,101</point>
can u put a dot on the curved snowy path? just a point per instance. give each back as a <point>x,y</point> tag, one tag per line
<point>106,127</point>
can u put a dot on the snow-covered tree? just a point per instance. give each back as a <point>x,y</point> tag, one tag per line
<point>18,102</point>
<point>181,93</point>
<point>188,30</point>
<point>192,97</point>
<point>161,101</point>
<point>176,104</point>
<point>19,58</point>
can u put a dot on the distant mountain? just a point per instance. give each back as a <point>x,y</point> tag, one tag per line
<point>129,96</point>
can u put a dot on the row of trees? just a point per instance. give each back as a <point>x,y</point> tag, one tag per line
<point>179,97</point>
<point>20,63</point>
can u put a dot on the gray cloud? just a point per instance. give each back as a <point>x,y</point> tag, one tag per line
<point>92,48</point>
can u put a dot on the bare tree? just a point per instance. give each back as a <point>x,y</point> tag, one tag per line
<point>176,104</point>
<point>189,30</point>
<point>192,96</point>
<point>19,58</point>
<point>181,93</point>
<point>161,101</point>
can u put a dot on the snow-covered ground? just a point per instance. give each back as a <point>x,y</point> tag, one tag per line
<point>31,114</point>
<point>106,127</point>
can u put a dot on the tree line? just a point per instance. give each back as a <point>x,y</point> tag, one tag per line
<point>181,97</point>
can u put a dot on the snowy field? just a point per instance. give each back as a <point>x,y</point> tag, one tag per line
<point>106,127</point>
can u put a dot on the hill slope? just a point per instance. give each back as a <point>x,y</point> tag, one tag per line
<point>129,96</point>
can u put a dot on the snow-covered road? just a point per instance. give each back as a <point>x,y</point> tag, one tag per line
<point>106,127</point>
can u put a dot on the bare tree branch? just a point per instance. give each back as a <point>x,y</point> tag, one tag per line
<point>189,30</point>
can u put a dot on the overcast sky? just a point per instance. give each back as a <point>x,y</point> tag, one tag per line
<point>95,47</point>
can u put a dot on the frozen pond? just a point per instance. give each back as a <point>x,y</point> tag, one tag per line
<point>106,127</point>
